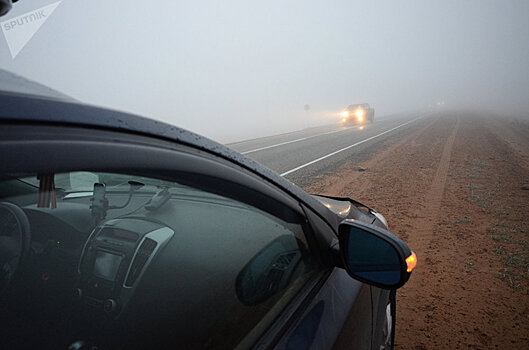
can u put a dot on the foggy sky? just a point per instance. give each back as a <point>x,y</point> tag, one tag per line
<point>234,70</point>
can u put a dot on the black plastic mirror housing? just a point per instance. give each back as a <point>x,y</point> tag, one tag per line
<point>375,256</point>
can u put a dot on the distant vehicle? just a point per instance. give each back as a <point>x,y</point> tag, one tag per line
<point>358,114</point>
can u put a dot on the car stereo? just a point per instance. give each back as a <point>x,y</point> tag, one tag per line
<point>114,259</point>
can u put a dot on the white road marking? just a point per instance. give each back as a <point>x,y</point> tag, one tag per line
<point>345,148</point>
<point>297,140</point>
<point>276,145</point>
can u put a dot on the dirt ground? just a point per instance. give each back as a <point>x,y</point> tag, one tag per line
<point>456,189</point>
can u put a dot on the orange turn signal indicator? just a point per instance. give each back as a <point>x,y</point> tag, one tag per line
<point>411,262</point>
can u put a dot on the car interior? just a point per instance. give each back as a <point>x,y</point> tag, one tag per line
<point>121,261</point>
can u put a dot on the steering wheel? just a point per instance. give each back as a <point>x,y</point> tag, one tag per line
<point>15,241</point>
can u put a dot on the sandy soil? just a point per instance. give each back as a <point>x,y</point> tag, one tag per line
<point>456,189</point>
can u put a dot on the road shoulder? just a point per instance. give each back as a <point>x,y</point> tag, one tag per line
<point>452,188</point>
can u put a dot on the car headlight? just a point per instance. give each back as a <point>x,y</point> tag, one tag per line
<point>360,113</point>
<point>345,114</point>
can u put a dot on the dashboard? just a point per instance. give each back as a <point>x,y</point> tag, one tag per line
<point>140,274</point>
<point>78,280</point>
<point>113,260</point>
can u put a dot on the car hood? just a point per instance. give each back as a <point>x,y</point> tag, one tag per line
<point>342,208</point>
<point>346,208</point>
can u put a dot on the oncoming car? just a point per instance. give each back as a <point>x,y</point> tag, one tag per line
<point>358,114</point>
<point>121,232</point>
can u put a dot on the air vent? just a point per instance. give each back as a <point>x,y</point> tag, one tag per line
<point>143,254</point>
<point>272,279</point>
<point>284,260</point>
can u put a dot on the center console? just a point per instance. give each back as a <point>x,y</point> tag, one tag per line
<point>113,261</point>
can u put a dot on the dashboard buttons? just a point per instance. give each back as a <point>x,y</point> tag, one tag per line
<point>78,294</point>
<point>45,276</point>
<point>110,305</point>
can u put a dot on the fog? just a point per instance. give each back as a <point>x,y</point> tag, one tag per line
<point>237,70</point>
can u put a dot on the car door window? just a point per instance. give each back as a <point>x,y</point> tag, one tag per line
<point>126,259</point>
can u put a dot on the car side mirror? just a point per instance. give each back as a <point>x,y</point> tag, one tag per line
<point>375,256</point>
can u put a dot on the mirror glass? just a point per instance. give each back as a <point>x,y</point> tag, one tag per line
<point>372,258</point>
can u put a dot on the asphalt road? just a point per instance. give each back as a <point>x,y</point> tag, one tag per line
<point>302,155</point>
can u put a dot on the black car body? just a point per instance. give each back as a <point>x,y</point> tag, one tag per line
<point>164,245</point>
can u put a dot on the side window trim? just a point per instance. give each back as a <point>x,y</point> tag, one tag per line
<point>69,153</point>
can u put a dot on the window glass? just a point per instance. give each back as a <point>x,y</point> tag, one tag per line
<point>123,260</point>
